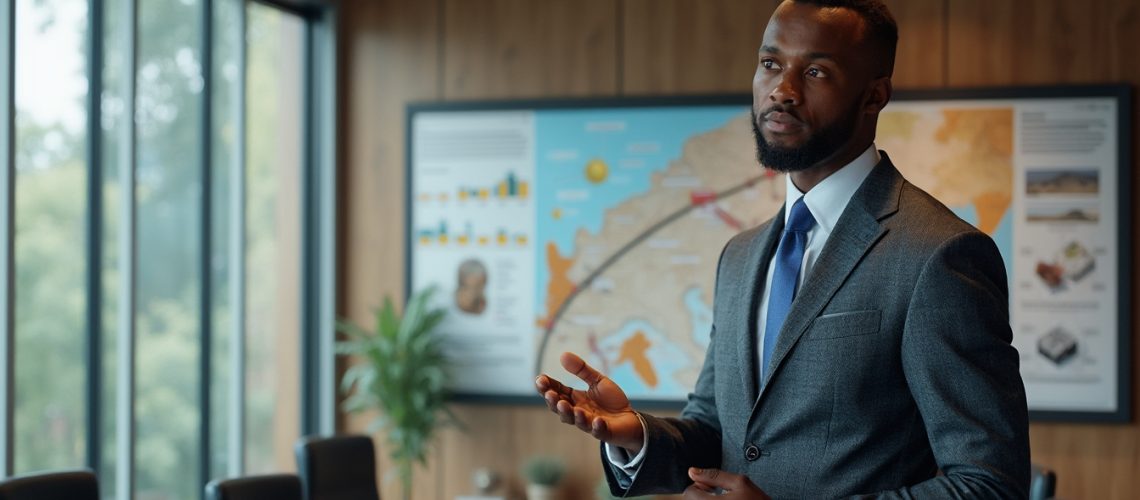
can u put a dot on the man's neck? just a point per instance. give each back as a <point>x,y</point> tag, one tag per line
<point>811,177</point>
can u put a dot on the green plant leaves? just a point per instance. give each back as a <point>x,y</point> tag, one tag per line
<point>353,331</point>
<point>544,470</point>
<point>403,375</point>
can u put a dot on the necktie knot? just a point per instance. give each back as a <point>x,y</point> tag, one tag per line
<point>800,220</point>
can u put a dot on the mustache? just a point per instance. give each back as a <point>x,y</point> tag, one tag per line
<point>777,108</point>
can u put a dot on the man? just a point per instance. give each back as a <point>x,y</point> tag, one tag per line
<point>860,341</point>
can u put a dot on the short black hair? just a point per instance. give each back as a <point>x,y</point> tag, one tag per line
<point>882,31</point>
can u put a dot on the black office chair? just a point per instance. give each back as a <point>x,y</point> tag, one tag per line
<point>1042,483</point>
<point>267,487</point>
<point>61,485</point>
<point>337,468</point>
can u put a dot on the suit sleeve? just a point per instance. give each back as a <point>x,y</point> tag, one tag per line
<point>962,371</point>
<point>675,444</point>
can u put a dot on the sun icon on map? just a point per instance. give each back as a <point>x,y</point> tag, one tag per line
<point>597,171</point>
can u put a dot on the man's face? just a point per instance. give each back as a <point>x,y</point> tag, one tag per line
<point>809,89</point>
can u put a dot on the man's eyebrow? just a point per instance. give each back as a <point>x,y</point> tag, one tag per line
<point>821,55</point>
<point>812,56</point>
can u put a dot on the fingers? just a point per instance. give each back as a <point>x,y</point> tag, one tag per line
<point>698,492</point>
<point>565,411</point>
<point>576,416</point>
<point>573,364</point>
<point>546,383</point>
<point>558,400</point>
<point>593,425</point>
<point>581,420</point>
<point>600,430</point>
<point>552,391</point>
<point>551,398</point>
<point>705,488</point>
<point>706,477</point>
<point>716,478</point>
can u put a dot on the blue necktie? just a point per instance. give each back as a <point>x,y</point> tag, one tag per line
<point>789,257</point>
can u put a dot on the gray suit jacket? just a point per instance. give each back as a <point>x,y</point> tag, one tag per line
<point>893,376</point>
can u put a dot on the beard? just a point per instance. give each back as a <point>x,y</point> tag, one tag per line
<point>818,147</point>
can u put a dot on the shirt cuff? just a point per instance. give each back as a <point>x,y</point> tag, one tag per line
<point>620,458</point>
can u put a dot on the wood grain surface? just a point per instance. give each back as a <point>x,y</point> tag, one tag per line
<point>397,51</point>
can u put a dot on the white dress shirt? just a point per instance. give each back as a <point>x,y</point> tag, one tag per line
<point>826,202</point>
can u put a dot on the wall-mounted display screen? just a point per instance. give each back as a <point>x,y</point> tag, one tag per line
<point>595,227</point>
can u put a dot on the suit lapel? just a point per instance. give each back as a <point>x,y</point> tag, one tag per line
<point>854,235</point>
<point>747,298</point>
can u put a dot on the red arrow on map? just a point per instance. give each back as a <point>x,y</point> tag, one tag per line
<point>704,197</point>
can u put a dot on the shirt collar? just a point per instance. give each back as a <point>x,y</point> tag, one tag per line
<point>827,200</point>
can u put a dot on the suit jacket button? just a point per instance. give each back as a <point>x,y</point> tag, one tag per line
<point>751,452</point>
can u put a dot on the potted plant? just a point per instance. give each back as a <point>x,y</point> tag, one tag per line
<point>401,373</point>
<point>542,474</point>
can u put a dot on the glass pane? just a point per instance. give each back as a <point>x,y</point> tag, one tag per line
<point>273,238</point>
<point>227,47</point>
<point>50,201</point>
<point>169,201</point>
<point>113,122</point>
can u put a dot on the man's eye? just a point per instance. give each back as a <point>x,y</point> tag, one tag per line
<point>769,64</point>
<point>816,73</point>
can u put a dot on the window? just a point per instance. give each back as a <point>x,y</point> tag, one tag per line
<point>184,236</point>
<point>50,184</point>
<point>168,173</point>
<point>273,247</point>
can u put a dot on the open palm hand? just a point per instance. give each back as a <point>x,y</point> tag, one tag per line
<point>602,410</point>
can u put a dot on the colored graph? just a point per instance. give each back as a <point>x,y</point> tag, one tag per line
<point>510,187</point>
<point>441,236</point>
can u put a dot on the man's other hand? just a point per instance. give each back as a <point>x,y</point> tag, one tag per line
<point>709,483</point>
<point>602,410</point>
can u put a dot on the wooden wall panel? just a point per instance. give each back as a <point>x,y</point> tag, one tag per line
<point>488,439</point>
<point>1021,42</point>
<point>1025,42</point>
<point>395,51</point>
<point>389,56</point>
<point>691,46</point>
<point>921,58</point>
<point>389,59</point>
<point>695,46</point>
<point>523,48</point>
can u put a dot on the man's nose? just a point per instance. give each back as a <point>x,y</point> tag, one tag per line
<point>787,91</point>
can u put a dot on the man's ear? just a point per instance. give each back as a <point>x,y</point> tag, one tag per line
<point>878,95</point>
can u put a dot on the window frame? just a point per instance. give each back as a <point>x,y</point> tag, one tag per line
<point>7,232</point>
<point>318,238</point>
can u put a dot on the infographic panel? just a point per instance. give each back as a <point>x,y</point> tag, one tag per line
<point>596,230</point>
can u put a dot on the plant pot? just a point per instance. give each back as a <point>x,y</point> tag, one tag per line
<point>541,492</point>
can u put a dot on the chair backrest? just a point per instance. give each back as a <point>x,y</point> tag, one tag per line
<point>61,485</point>
<point>337,468</point>
<point>1042,483</point>
<point>267,487</point>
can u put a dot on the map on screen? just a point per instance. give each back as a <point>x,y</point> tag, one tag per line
<point>596,229</point>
